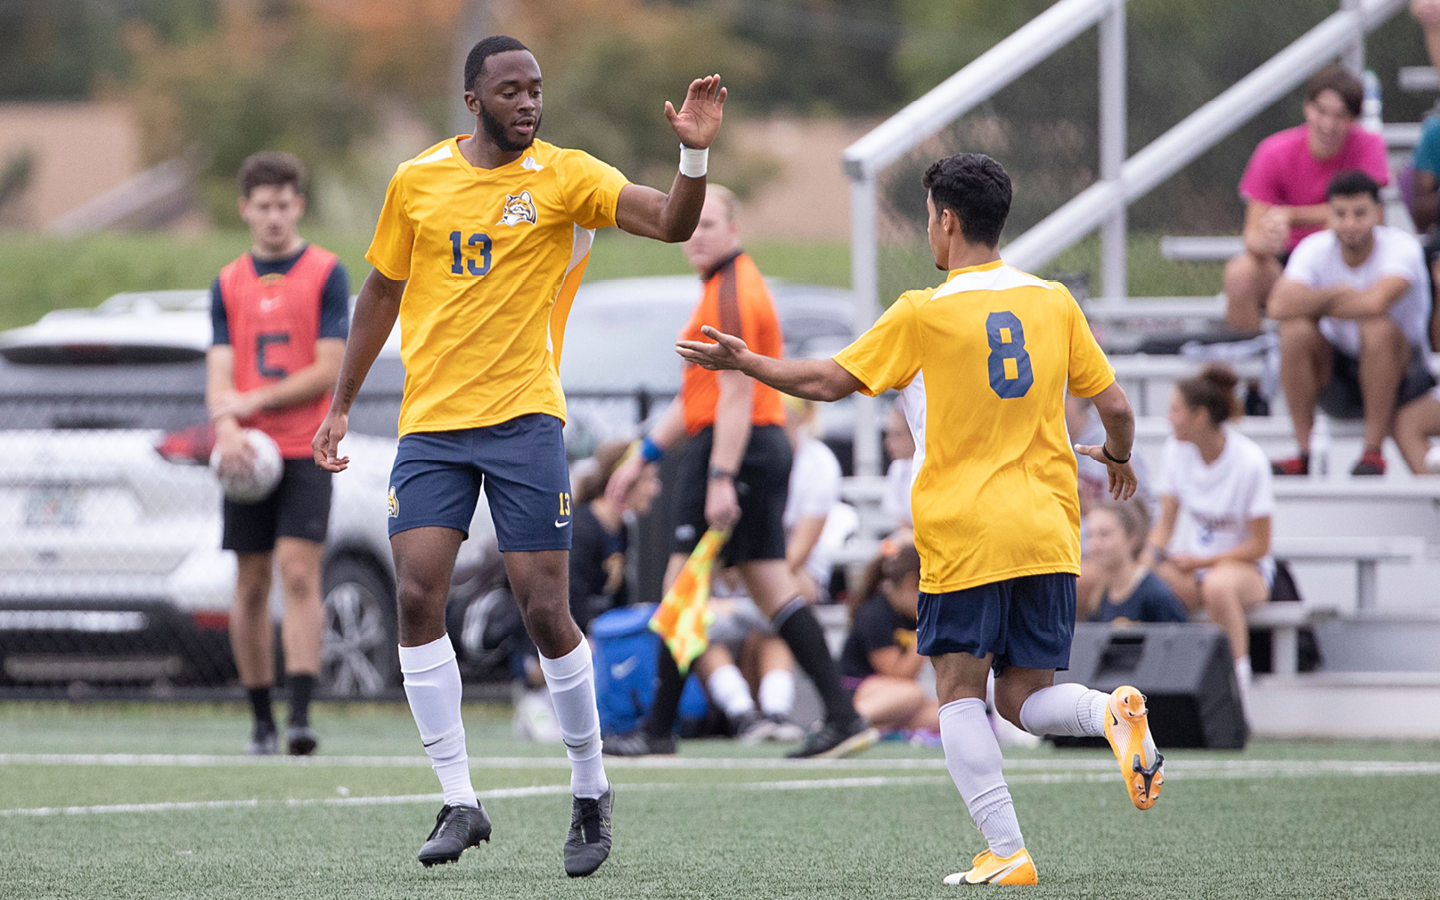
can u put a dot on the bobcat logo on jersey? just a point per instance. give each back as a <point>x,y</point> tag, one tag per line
<point>394,504</point>
<point>518,208</point>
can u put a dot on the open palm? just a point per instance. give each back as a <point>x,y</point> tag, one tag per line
<point>698,120</point>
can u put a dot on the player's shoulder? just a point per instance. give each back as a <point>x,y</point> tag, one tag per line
<point>561,158</point>
<point>426,162</point>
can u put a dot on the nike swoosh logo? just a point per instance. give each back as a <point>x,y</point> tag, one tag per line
<point>621,670</point>
<point>560,524</point>
<point>1005,871</point>
<point>431,744</point>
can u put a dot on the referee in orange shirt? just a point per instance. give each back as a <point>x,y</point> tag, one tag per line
<point>734,474</point>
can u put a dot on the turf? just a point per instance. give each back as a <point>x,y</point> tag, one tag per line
<point>1279,820</point>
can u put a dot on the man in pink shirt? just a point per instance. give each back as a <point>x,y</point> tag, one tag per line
<point>1284,188</point>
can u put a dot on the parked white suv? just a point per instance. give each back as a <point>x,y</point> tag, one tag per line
<point>110,564</point>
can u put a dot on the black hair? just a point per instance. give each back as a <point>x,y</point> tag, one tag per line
<point>1212,390</point>
<point>1350,183</point>
<point>1342,81</point>
<point>976,189</point>
<point>475,62</point>
<point>272,168</point>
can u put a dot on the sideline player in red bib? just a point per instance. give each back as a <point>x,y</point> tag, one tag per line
<point>280,314</point>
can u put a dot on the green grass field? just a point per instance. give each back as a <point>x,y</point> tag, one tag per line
<point>38,273</point>
<point>84,812</point>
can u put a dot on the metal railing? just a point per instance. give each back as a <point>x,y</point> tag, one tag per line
<point>1122,180</point>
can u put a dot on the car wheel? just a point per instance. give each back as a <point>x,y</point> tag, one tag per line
<point>358,657</point>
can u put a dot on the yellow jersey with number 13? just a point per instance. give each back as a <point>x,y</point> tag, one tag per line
<point>984,361</point>
<point>492,258</point>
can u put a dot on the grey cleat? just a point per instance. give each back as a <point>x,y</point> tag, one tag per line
<point>300,740</point>
<point>457,828</point>
<point>263,741</point>
<point>588,844</point>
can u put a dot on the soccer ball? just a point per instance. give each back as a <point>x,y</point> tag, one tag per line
<point>256,483</point>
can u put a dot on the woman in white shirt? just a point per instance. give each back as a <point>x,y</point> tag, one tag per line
<point>1211,543</point>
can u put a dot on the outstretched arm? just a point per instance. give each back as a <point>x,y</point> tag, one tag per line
<point>672,217</point>
<point>811,379</point>
<point>1119,421</point>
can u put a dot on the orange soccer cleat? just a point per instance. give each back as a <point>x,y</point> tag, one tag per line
<point>988,868</point>
<point>1127,728</point>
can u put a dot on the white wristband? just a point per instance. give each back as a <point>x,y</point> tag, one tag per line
<point>694,163</point>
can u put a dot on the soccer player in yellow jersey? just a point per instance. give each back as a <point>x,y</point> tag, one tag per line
<point>478,251</point>
<point>984,361</point>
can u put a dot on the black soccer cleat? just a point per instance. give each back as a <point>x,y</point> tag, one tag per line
<point>588,844</point>
<point>638,743</point>
<point>457,828</point>
<point>834,740</point>
<point>263,741</point>
<point>300,740</point>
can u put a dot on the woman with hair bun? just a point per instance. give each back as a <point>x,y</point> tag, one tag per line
<point>1211,543</point>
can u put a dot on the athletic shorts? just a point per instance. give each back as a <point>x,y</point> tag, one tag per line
<point>1026,622</point>
<point>299,507</point>
<point>1341,397</point>
<point>438,475</point>
<point>761,486</point>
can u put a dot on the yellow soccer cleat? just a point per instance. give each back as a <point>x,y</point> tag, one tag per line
<point>1127,728</point>
<point>991,869</point>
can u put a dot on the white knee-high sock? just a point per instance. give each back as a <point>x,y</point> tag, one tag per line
<point>571,680</point>
<point>432,685</point>
<point>777,692</point>
<point>730,691</point>
<point>1068,709</point>
<point>973,758</point>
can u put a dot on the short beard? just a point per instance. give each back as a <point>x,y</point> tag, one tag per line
<point>495,130</point>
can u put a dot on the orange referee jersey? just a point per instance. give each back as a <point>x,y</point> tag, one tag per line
<point>736,301</point>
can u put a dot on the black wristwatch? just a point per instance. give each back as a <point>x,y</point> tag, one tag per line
<point>1106,450</point>
<point>718,474</point>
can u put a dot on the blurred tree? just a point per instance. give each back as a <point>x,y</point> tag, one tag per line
<point>268,77</point>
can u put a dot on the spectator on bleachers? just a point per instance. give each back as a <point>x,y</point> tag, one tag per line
<point>879,661</point>
<point>814,492</point>
<point>1284,188</point>
<point>1354,313</point>
<point>1121,586</point>
<point>1211,544</point>
<point>900,447</point>
<point>1415,424</point>
<point>601,540</point>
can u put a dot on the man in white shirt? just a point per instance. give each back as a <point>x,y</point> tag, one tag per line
<point>1354,311</point>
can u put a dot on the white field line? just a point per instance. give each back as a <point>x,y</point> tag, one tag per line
<point>1260,770</point>
<point>690,763</point>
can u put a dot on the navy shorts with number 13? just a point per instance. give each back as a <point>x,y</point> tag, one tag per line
<point>438,475</point>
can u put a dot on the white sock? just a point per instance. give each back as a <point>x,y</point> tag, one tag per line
<point>571,680</point>
<point>730,691</point>
<point>1243,676</point>
<point>1069,709</point>
<point>432,685</point>
<point>777,693</point>
<point>973,758</point>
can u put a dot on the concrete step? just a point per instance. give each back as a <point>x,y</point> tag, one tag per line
<point>1404,705</point>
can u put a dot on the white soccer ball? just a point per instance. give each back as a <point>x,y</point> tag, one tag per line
<point>255,483</point>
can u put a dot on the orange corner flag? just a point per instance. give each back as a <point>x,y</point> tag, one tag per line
<point>683,617</point>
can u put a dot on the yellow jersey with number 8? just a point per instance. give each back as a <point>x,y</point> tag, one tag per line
<point>492,258</point>
<point>984,361</point>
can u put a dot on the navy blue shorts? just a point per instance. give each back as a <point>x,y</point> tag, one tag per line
<point>521,463</point>
<point>1027,622</point>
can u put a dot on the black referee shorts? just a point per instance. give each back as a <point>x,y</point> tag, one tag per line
<point>761,486</point>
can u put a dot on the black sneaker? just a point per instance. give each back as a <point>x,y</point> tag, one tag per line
<point>638,743</point>
<point>457,828</point>
<point>263,741</point>
<point>833,740</point>
<point>300,740</point>
<point>588,844</point>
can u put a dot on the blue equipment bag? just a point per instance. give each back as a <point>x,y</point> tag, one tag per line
<point>625,652</point>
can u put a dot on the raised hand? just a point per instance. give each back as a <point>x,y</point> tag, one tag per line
<point>698,120</point>
<point>725,353</point>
